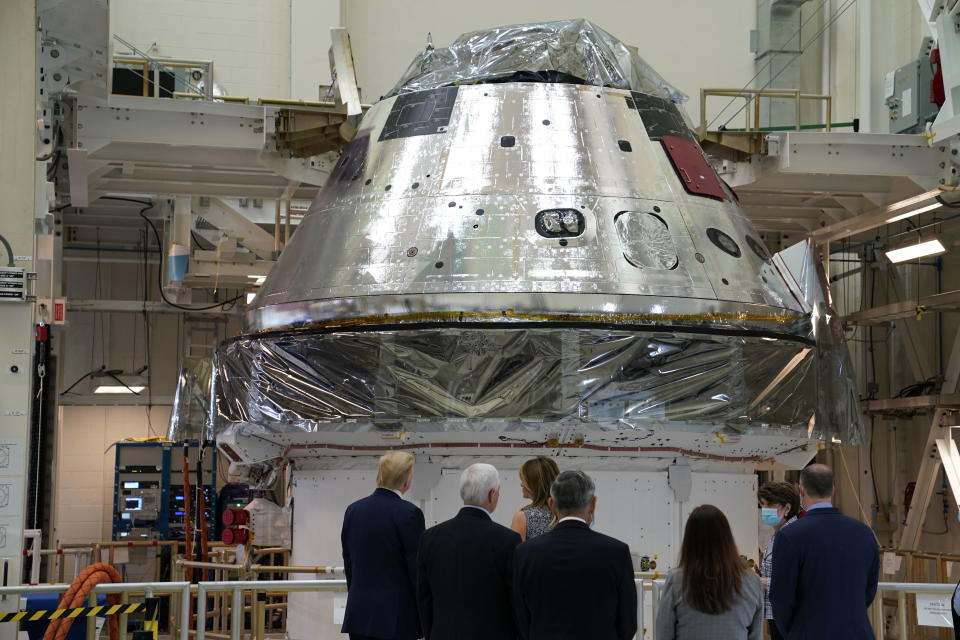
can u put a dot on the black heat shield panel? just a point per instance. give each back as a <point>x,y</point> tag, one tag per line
<point>420,114</point>
<point>660,117</point>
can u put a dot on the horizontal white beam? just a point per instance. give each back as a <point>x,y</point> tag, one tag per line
<point>872,219</point>
<point>139,306</point>
<point>120,399</point>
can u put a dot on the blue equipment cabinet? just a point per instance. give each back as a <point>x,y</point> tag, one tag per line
<point>148,500</point>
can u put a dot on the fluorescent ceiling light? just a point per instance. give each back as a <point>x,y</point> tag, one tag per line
<point>258,279</point>
<point>250,297</point>
<point>116,388</point>
<point>914,251</point>
<point>915,212</point>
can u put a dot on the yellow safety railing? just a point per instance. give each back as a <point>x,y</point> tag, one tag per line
<point>753,99</point>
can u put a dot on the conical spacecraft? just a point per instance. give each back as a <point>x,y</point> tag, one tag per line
<point>524,247</point>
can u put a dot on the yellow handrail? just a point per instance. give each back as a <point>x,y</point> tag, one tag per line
<point>756,95</point>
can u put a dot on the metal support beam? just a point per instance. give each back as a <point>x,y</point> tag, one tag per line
<point>236,225</point>
<point>910,326</point>
<point>913,403</point>
<point>873,219</point>
<point>950,458</point>
<point>113,400</point>
<point>139,306</point>
<point>947,301</point>
<point>837,153</point>
<point>930,466</point>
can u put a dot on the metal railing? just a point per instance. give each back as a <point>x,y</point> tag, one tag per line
<point>752,116</point>
<point>180,590</point>
<point>184,625</point>
<point>151,67</point>
<point>901,589</point>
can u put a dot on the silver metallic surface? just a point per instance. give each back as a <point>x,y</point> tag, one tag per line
<point>402,216</point>
<point>191,403</point>
<point>510,379</point>
<point>576,48</point>
<point>525,257</point>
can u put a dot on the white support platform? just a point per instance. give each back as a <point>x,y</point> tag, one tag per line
<point>811,183</point>
<point>183,147</point>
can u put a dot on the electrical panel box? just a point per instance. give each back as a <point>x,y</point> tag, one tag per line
<point>149,501</point>
<point>907,94</point>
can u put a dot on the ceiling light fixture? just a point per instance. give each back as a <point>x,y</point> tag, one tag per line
<point>915,251</point>
<point>915,212</point>
<point>118,384</point>
<point>116,388</point>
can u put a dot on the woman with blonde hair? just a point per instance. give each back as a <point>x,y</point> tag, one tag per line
<point>536,477</point>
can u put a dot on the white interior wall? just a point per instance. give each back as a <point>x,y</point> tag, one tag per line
<point>85,464</point>
<point>248,40</point>
<point>278,48</point>
<point>310,22</point>
<point>118,340</point>
<point>896,33</point>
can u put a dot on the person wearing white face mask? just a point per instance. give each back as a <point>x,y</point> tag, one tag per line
<point>779,506</point>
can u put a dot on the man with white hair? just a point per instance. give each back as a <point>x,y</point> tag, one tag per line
<point>464,567</point>
<point>573,583</point>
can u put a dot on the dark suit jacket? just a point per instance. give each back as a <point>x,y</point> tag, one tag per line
<point>825,572</point>
<point>464,576</point>
<point>574,583</point>
<point>380,537</point>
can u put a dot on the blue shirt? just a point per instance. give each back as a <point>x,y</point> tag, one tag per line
<point>820,505</point>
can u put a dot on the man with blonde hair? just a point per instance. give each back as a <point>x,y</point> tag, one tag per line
<point>380,537</point>
<point>465,567</point>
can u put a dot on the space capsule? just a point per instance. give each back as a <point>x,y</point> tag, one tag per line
<point>524,246</point>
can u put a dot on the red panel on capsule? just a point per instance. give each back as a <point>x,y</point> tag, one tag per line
<point>696,174</point>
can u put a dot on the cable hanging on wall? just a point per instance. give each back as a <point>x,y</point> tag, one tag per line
<point>147,205</point>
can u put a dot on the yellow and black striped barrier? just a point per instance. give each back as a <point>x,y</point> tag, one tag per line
<point>151,616</point>
<point>65,614</point>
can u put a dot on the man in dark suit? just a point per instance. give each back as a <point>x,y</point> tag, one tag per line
<point>572,583</point>
<point>380,537</point>
<point>465,567</point>
<point>825,568</point>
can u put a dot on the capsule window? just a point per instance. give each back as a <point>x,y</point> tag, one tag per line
<point>645,240</point>
<point>724,242</point>
<point>758,248</point>
<point>560,223</point>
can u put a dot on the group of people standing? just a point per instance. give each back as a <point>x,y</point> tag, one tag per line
<point>550,576</point>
